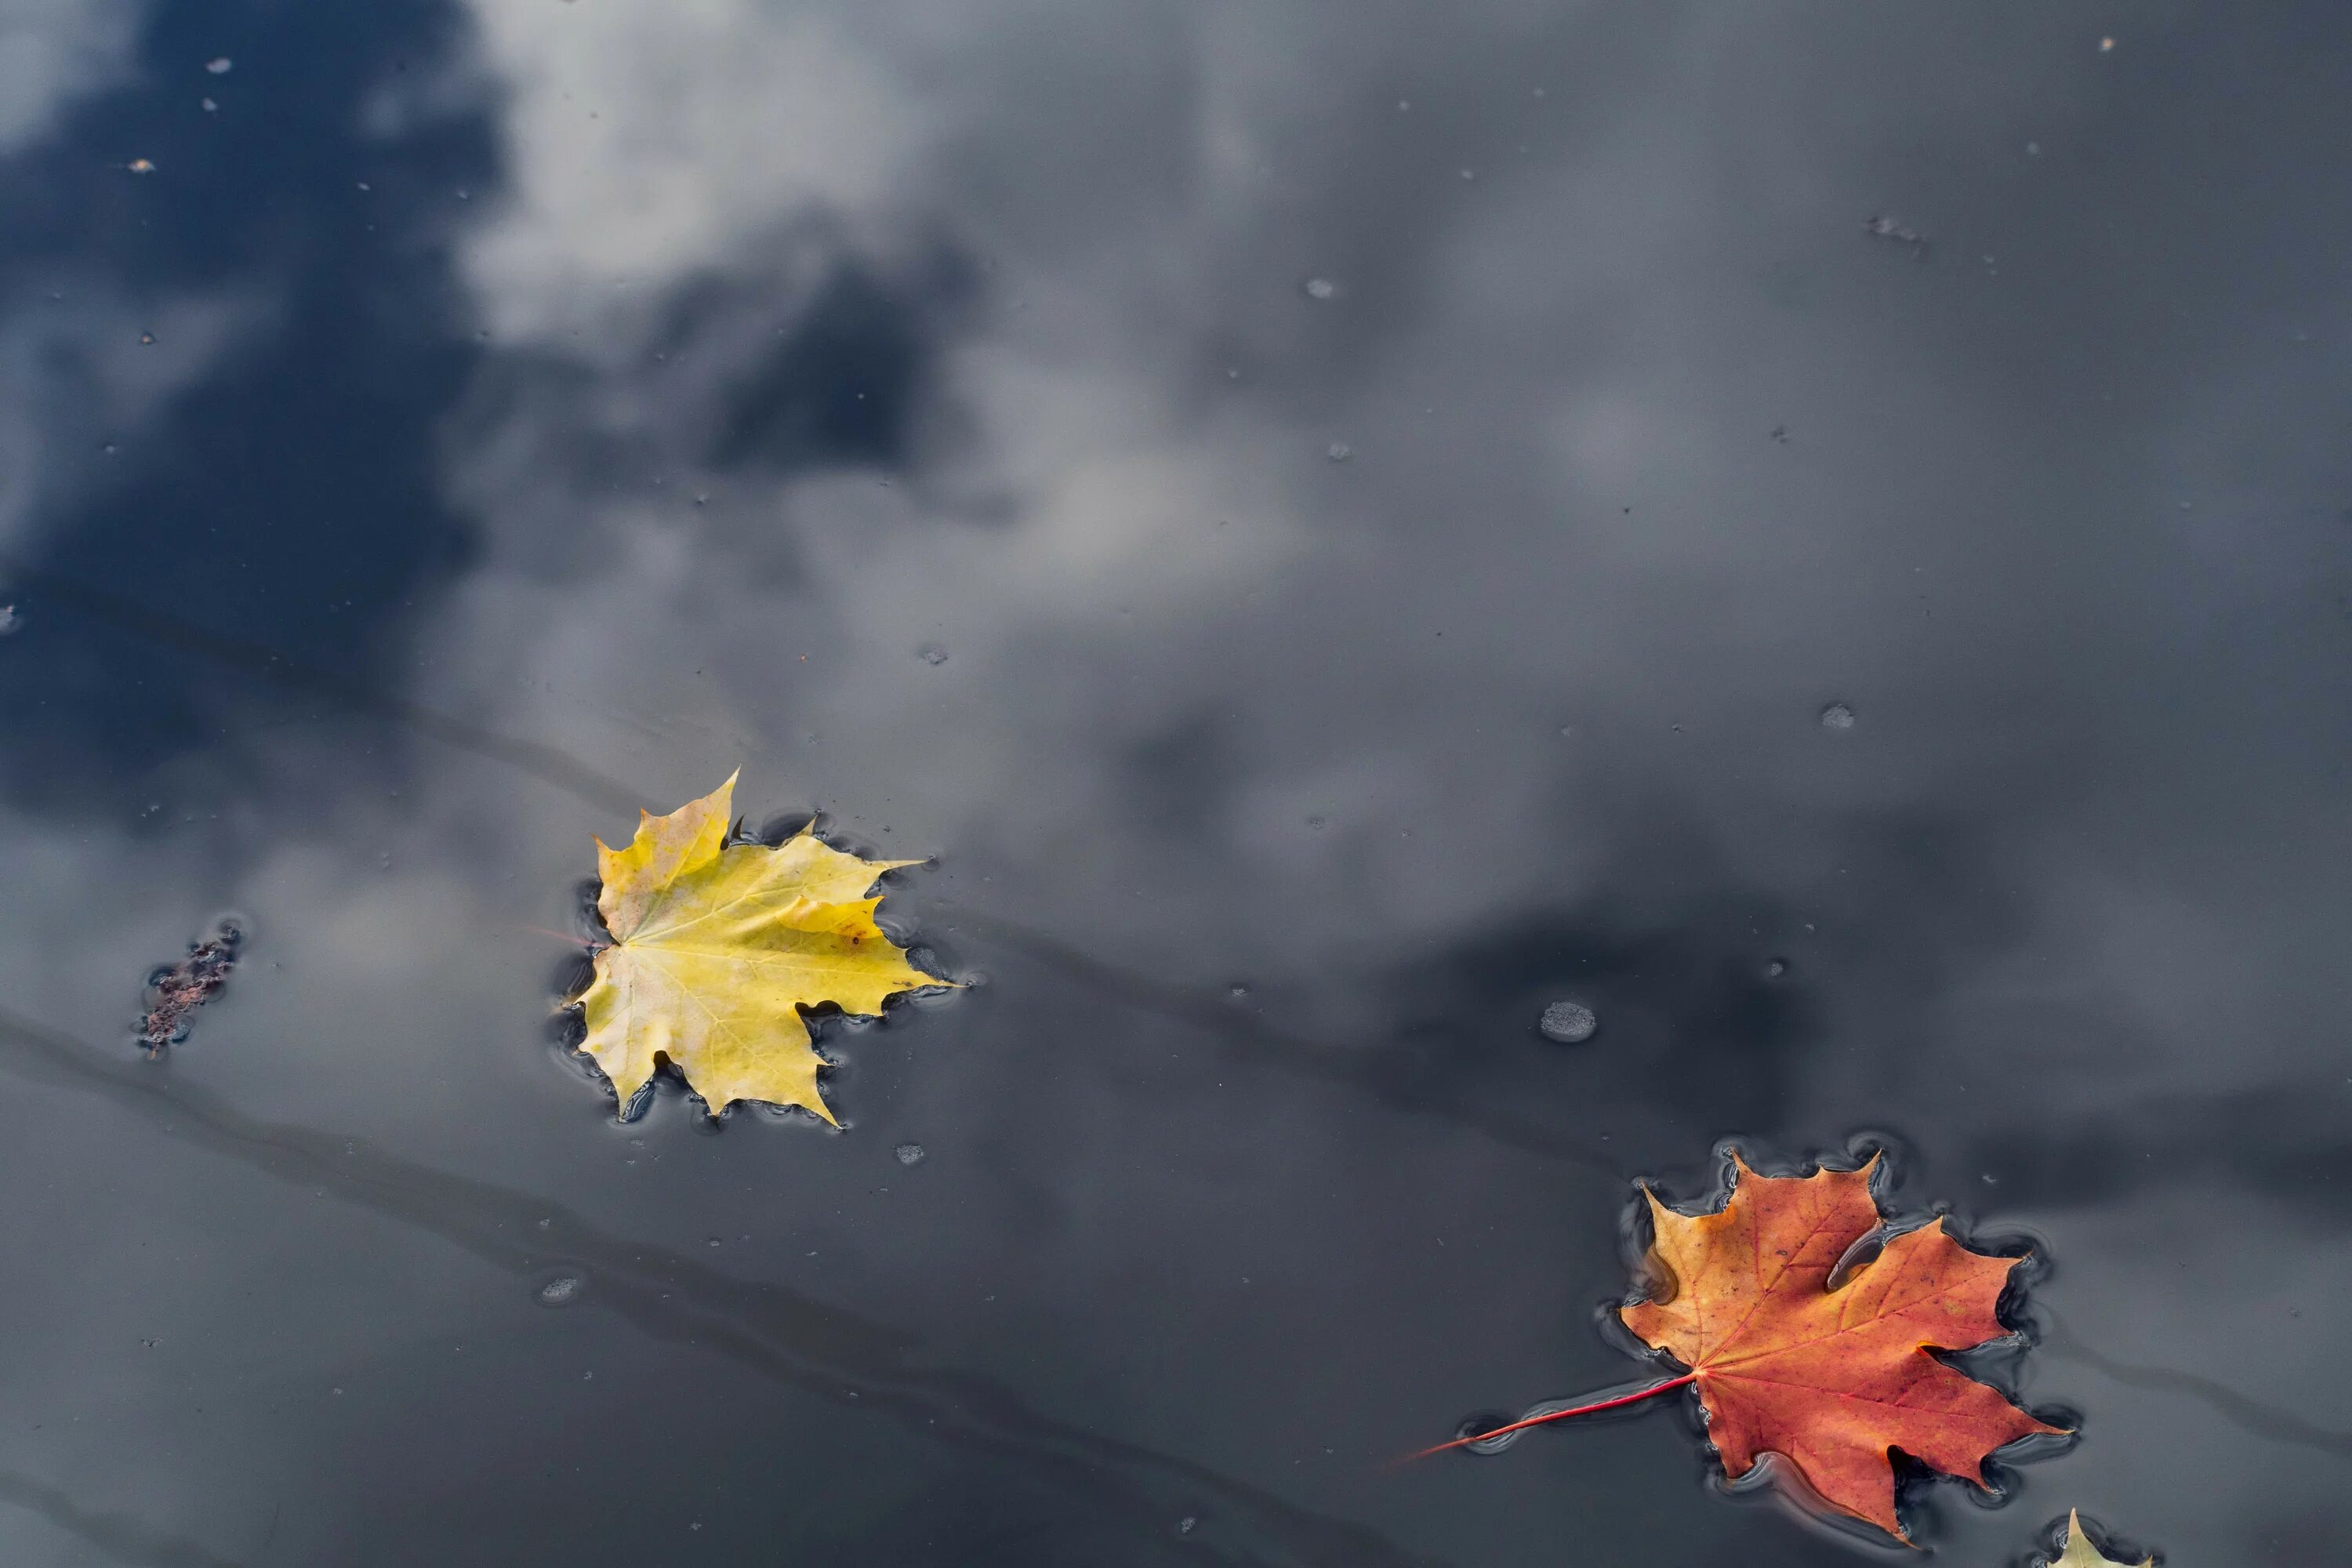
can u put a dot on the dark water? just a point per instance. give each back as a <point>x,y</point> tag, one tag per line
<point>1822,533</point>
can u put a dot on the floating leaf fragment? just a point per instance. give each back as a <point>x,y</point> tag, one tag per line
<point>716,948</point>
<point>2080,1554</point>
<point>177,990</point>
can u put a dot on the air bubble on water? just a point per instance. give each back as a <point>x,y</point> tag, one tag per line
<point>1837,716</point>
<point>931,653</point>
<point>1321,289</point>
<point>219,65</point>
<point>561,1290</point>
<point>1476,1427</point>
<point>909,1154</point>
<point>1340,451</point>
<point>1570,1023</point>
<point>9,620</point>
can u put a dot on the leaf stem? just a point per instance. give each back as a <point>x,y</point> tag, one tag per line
<point>560,936</point>
<point>1598,1405</point>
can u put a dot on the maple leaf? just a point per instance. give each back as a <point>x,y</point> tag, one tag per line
<point>1831,1379</point>
<point>716,949</point>
<point>2081,1553</point>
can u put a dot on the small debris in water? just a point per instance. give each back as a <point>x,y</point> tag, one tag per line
<point>1339,452</point>
<point>909,1154</point>
<point>219,65</point>
<point>10,621</point>
<point>1184,1525</point>
<point>209,106</point>
<point>562,1291</point>
<point>140,166</point>
<point>1570,1023</point>
<point>1887,228</point>
<point>2107,46</point>
<point>1775,968</point>
<point>931,653</point>
<point>1837,716</point>
<point>179,989</point>
<point>1321,289</point>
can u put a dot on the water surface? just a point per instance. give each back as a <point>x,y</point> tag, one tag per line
<point>1823,537</point>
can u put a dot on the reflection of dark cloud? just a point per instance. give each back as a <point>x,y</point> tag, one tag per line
<point>1245,1039</point>
<point>289,492</point>
<point>845,384</point>
<point>1179,776</point>
<point>1690,1017</point>
<point>2286,1143</point>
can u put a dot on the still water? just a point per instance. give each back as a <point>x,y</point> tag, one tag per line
<point>1468,602</point>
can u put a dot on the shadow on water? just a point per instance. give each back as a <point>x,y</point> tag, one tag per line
<point>774,1331</point>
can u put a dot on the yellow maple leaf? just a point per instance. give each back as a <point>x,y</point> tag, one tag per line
<point>716,949</point>
<point>2081,1553</point>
